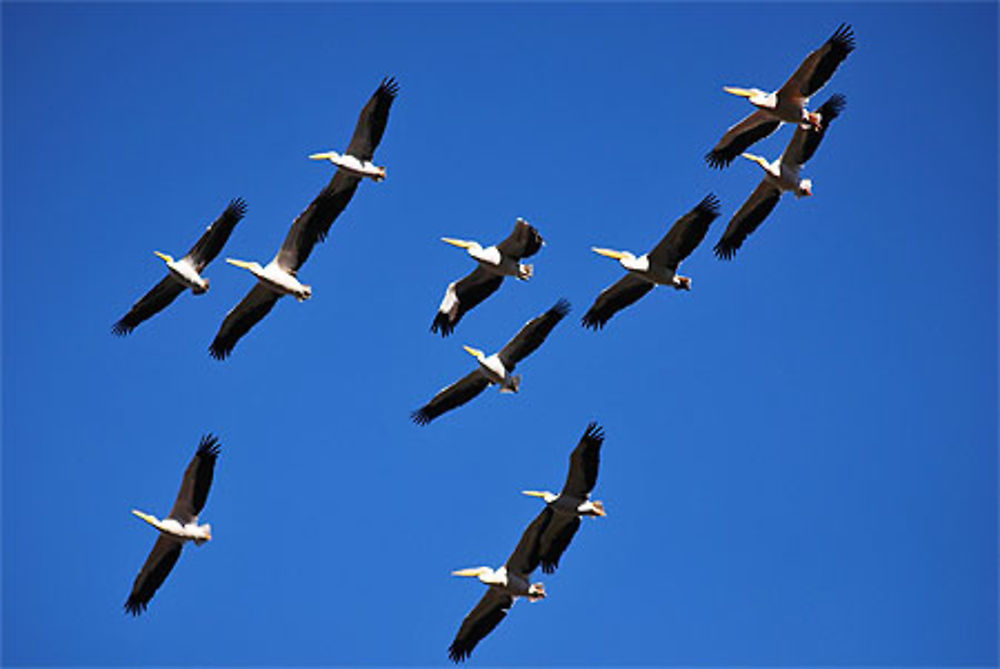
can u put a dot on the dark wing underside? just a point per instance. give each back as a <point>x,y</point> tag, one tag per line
<point>532,335</point>
<point>556,539</point>
<point>461,296</point>
<point>251,309</point>
<point>451,397</point>
<point>807,139</point>
<point>313,224</point>
<point>740,137</point>
<point>820,65</point>
<point>207,248</point>
<point>482,620</point>
<point>753,212</point>
<point>627,290</point>
<point>685,234</point>
<point>157,299</point>
<point>525,557</point>
<point>197,481</point>
<point>523,242</point>
<point>161,560</point>
<point>372,121</point>
<point>584,462</point>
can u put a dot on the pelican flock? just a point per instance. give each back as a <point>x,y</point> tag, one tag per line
<point>547,537</point>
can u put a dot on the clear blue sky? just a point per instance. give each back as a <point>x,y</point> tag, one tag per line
<point>801,455</point>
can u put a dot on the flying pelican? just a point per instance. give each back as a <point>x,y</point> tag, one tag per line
<point>186,272</point>
<point>496,368</point>
<point>563,511</point>
<point>779,176</point>
<point>506,584</point>
<point>280,276</point>
<point>659,266</point>
<point>180,526</point>
<point>495,262</point>
<point>788,103</point>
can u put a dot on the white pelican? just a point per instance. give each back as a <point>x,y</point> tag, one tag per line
<point>506,584</point>
<point>779,176</point>
<point>495,368</point>
<point>658,267</point>
<point>495,262</point>
<point>279,277</point>
<point>179,526</point>
<point>788,103</point>
<point>185,272</point>
<point>563,511</point>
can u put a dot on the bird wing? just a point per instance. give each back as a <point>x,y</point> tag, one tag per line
<point>453,396</point>
<point>685,234</point>
<point>372,121</point>
<point>463,295</point>
<point>820,65</point>
<point>525,557</point>
<point>313,224</point>
<point>487,614</point>
<point>614,298</point>
<point>748,218</point>
<point>583,463</point>
<point>740,137</point>
<point>806,139</point>
<point>157,299</point>
<point>197,480</point>
<point>523,242</point>
<point>154,572</point>
<point>253,307</point>
<point>532,335</point>
<point>556,539</point>
<point>217,234</point>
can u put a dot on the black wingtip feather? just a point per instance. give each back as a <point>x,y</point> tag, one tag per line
<point>237,208</point>
<point>593,321</point>
<point>134,606</point>
<point>594,432</point>
<point>389,86</point>
<point>209,446</point>
<point>718,159</point>
<point>843,38</point>
<point>709,205</point>
<point>420,417</point>
<point>219,352</point>
<point>457,655</point>
<point>561,308</point>
<point>442,324</point>
<point>725,251</point>
<point>121,328</point>
<point>832,108</point>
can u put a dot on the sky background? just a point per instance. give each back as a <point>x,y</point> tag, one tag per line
<point>801,455</point>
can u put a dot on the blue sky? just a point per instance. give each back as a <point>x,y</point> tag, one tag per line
<point>801,455</point>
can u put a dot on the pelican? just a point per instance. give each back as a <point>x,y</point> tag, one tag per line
<point>184,272</point>
<point>280,277</point>
<point>506,584</point>
<point>495,368</point>
<point>178,527</point>
<point>779,176</point>
<point>562,512</point>
<point>495,262</point>
<point>788,103</point>
<point>658,267</point>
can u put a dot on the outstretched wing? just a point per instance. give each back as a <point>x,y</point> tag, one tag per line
<point>451,397</point>
<point>154,572</point>
<point>584,462</point>
<point>556,539</point>
<point>806,139</point>
<point>482,620</point>
<point>372,121</point>
<point>753,212</point>
<point>313,224</point>
<point>740,137</point>
<point>532,335</point>
<point>685,234</point>
<point>157,299</point>
<point>820,65</point>
<point>525,557</point>
<point>251,309</point>
<point>217,234</point>
<point>463,295</point>
<point>627,290</point>
<point>197,481</point>
<point>523,242</point>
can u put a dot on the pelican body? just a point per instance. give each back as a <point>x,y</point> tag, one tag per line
<point>494,370</point>
<point>651,272</point>
<point>276,278</point>
<point>783,175</point>
<point>492,260</point>
<point>184,271</point>
<point>512,583</point>
<point>349,163</point>
<point>192,531</point>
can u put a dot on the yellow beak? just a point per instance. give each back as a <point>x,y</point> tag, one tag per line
<point>145,516</point>
<point>757,159</point>
<point>533,493</point>
<point>608,253</point>
<point>460,243</point>
<point>164,256</point>
<point>742,92</point>
<point>239,263</point>
<point>466,572</point>
<point>327,155</point>
<point>474,352</point>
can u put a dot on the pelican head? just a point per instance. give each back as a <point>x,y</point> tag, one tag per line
<point>473,571</point>
<point>251,265</point>
<point>474,352</point>
<point>682,282</point>
<point>805,188</point>
<point>332,156</point>
<point>149,518</point>
<point>165,257</point>
<point>755,96</point>
<point>597,508</point>
<point>544,494</point>
<point>814,119</point>
<point>206,535</point>
<point>620,256</point>
<point>536,591</point>
<point>469,246</point>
